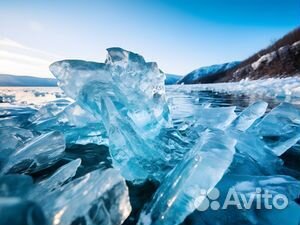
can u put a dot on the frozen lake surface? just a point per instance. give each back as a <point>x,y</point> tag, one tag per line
<point>117,146</point>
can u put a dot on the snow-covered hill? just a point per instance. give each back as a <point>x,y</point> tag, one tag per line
<point>282,62</point>
<point>206,73</point>
<point>280,59</point>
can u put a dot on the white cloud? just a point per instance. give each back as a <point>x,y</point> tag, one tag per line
<point>22,58</point>
<point>10,43</point>
<point>19,68</point>
<point>18,59</point>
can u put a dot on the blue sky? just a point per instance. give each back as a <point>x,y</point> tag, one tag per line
<point>181,35</point>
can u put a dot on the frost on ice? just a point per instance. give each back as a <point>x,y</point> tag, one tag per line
<point>70,161</point>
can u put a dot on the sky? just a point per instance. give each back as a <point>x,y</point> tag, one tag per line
<point>180,35</point>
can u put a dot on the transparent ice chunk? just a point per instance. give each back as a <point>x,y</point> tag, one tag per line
<point>39,153</point>
<point>201,169</point>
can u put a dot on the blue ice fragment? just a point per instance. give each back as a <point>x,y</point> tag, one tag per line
<point>15,116</point>
<point>49,110</point>
<point>249,115</point>
<point>79,126</point>
<point>280,128</point>
<point>98,198</point>
<point>58,179</point>
<point>201,169</point>
<point>12,138</point>
<point>38,153</point>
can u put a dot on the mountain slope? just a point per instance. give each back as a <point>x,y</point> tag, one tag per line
<point>206,74</point>
<point>283,62</point>
<point>22,81</point>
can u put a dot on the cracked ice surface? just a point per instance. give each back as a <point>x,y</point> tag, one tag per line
<point>183,145</point>
<point>127,95</point>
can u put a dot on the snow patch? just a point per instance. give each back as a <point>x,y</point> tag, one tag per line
<point>267,58</point>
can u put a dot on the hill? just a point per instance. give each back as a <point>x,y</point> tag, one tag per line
<point>8,80</point>
<point>207,74</point>
<point>280,59</point>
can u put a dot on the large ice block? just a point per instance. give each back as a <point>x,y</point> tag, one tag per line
<point>128,94</point>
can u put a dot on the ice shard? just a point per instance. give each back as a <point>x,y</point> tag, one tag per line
<point>280,128</point>
<point>12,138</point>
<point>128,94</point>
<point>59,178</point>
<point>99,197</point>
<point>201,169</point>
<point>15,116</point>
<point>16,111</point>
<point>79,126</point>
<point>253,149</point>
<point>249,115</point>
<point>39,153</point>
<point>49,110</point>
<point>251,145</point>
